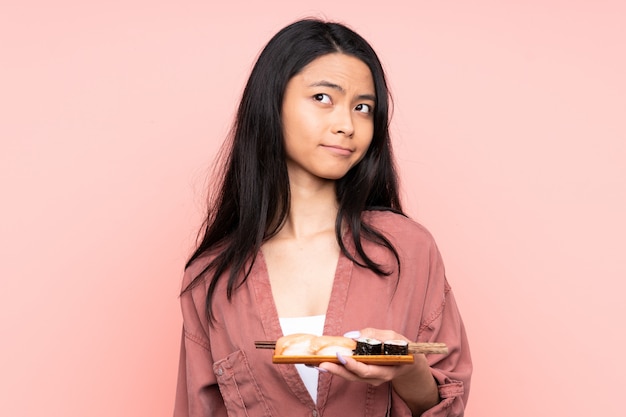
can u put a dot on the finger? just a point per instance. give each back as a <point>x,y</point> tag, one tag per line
<point>344,373</point>
<point>360,369</point>
<point>381,334</point>
<point>338,370</point>
<point>372,374</point>
<point>353,334</point>
<point>316,368</point>
<point>350,369</point>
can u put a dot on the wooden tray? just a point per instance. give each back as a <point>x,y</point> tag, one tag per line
<point>369,359</point>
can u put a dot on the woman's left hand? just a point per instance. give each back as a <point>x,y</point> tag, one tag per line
<point>353,370</point>
<point>414,383</point>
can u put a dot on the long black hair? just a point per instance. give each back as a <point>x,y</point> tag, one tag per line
<point>251,200</point>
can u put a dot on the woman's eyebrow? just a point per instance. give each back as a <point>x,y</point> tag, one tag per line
<point>339,88</point>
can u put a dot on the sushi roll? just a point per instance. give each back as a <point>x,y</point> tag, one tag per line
<point>396,347</point>
<point>368,346</point>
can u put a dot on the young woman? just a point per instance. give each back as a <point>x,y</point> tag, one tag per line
<point>305,233</point>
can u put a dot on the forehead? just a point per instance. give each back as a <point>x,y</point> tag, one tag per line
<point>344,70</point>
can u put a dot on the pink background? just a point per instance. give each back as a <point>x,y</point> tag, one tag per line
<point>511,137</point>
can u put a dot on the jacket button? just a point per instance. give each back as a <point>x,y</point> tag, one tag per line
<point>314,413</point>
<point>220,372</point>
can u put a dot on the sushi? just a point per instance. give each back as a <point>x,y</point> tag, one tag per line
<point>368,346</point>
<point>396,347</point>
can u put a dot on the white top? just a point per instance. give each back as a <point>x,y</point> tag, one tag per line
<point>312,325</point>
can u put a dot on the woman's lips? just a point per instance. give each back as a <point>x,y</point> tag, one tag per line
<point>338,150</point>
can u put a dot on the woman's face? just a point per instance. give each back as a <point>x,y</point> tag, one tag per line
<point>328,117</point>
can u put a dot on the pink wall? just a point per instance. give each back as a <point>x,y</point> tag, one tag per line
<point>511,139</point>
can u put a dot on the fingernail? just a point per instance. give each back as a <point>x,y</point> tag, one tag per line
<point>354,334</point>
<point>341,358</point>
<point>318,368</point>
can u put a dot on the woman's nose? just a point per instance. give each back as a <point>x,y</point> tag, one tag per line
<point>342,122</point>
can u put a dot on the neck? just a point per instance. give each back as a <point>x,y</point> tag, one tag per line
<point>312,210</point>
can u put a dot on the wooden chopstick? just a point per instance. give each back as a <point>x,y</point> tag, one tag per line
<point>264,344</point>
<point>426,348</point>
<point>414,347</point>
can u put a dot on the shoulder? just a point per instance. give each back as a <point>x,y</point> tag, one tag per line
<point>398,227</point>
<point>197,268</point>
<point>199,271</point>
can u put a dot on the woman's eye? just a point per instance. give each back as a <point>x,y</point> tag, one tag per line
<point>365,108</point>
<point>322,98</point>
